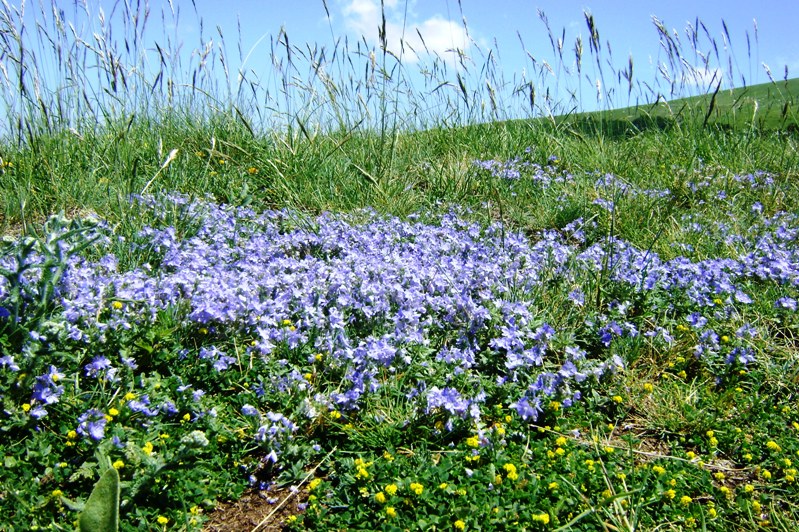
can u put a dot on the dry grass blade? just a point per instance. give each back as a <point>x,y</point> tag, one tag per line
<point>302,483</point>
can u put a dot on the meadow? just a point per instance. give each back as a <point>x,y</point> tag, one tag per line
<point>371,302</point>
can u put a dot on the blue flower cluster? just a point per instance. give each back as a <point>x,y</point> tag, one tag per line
<point>372,296</point>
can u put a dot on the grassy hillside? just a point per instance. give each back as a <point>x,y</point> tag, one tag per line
<point>765,107</point>
<point>394,308</point>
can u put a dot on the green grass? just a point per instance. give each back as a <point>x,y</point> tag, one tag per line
<point>673,441</point>
<point>765,107</point>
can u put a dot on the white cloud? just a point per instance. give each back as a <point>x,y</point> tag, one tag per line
<point>705,78</point>
<point>439,36</point>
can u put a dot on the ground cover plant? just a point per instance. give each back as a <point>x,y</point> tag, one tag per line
<point>553,323</point>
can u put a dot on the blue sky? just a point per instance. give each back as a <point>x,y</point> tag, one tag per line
<point>512,31</point>
<point>505,24</point>
<point>627,25</point>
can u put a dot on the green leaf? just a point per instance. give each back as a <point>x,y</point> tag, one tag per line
<point>102,508</point>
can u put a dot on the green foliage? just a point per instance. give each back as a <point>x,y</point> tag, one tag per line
<point>675,441</point>
<point>102,508</point>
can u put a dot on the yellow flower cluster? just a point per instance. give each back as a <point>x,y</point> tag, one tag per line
<point>510,469</point>
<point>416,488</point>
<point>360,466</point>
<point>391,489</point>
<point>773,446</point>
<point>541,518</point>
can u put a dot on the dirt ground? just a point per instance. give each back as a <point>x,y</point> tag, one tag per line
<point>257,511</point>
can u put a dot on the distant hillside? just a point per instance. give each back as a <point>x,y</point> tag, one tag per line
<point>767,106</point>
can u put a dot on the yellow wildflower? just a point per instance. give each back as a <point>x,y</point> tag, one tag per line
<point>380,497</point>
<point>773,446</point>
<point>669,494</point>
<point>460,525</point>
<point>658,469</point>
<point>162,520</point>
<point>416,488</point>
<point>119,464</point>
<point>391,489</point>
<point>510,469</point>
<point>473,441</point>
<point>541,518</point>
<point>391,512</point>
<point>148,448</point>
